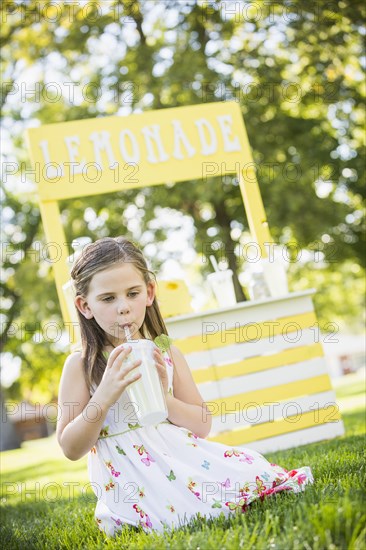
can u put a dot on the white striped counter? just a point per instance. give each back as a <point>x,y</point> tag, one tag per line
<point>260,368</point>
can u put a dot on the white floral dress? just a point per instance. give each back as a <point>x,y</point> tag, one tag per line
<point>162,476</point>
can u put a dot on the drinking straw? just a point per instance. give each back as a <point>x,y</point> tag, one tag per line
<point>127,333</point>
<point>214,264</point>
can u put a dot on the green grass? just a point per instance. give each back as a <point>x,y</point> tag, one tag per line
<point>328,515</point>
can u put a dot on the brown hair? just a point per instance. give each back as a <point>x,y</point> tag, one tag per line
<point>96,257</point>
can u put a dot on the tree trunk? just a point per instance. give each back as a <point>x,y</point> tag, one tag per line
<point>229,247</point>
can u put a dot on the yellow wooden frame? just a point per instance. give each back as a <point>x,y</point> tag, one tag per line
<point>104,155</point>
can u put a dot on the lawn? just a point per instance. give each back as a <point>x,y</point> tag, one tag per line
<point>46,501</point>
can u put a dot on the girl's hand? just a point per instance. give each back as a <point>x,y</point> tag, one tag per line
<point>160,365</point>
<point>117,376</point>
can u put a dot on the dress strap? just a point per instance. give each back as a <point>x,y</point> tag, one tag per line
<point>169,370</point>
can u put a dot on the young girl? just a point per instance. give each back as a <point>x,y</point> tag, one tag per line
<point>155,476</point>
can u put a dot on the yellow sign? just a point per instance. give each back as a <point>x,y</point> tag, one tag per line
<point>105,155</point>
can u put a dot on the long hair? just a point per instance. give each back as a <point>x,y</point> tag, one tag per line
<point>96,257</point>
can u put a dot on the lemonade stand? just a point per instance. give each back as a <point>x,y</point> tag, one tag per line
<point>259,365</point>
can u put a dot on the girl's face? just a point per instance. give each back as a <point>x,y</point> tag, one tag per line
<point>117,296</point>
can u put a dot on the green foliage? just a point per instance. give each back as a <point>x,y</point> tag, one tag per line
<point>163,342</point>
<point>339,299</point>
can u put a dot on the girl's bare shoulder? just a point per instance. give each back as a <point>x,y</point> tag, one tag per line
<point>73,382</point>
<point>73,370</point>
<point>74,360</point>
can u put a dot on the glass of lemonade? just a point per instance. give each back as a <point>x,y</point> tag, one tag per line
<point>146,394</point>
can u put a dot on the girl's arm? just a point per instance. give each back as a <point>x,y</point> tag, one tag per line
<point>81,417</point>
<point>187,408</point>
<point>76,431</point>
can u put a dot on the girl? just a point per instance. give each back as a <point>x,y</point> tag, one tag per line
<point>155,476</point>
